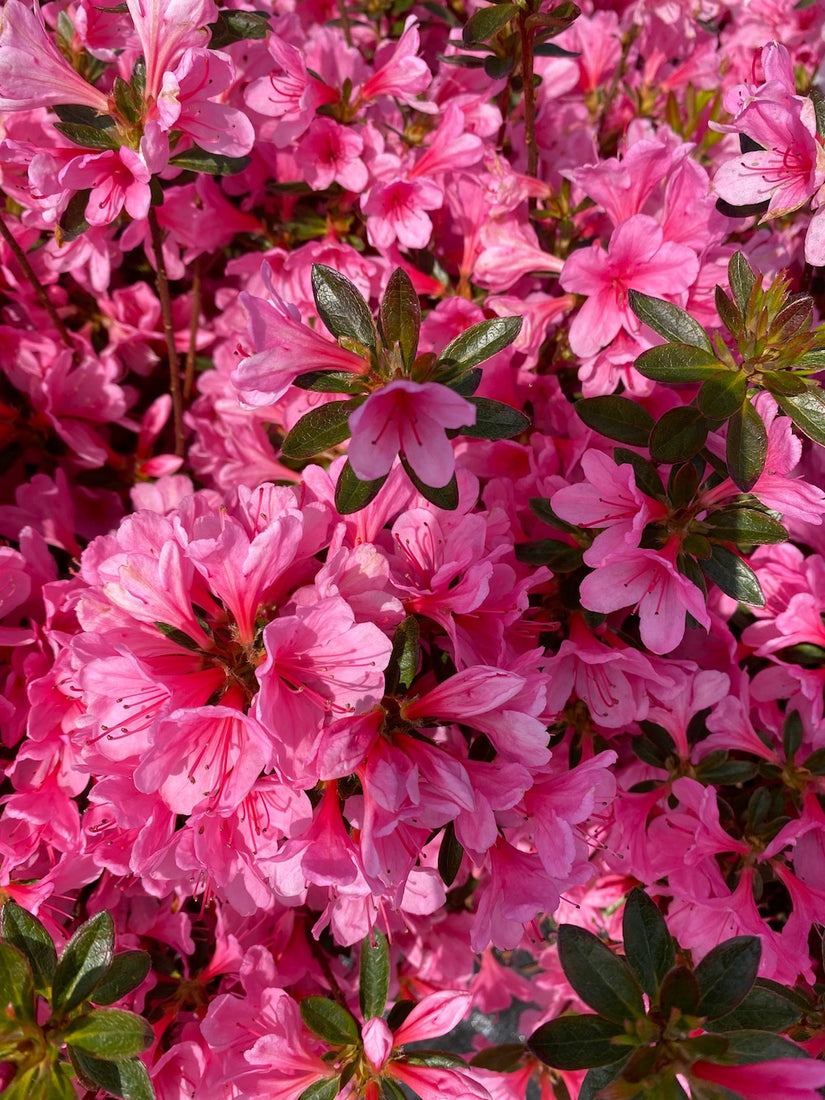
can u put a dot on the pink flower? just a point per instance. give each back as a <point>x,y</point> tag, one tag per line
<point>116,179</point>
<point>403,74</point>
<point>165,29</point>
<point>332,153</point>
<point>790,1078</point>
<point>637,257</point>
<point>292,95</point>
<point>186,103</point>
<point>410,419</point>
<point>395,211</point>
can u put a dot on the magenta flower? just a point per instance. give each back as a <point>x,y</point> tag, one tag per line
<point>165,29</point>
<point>410,419</point>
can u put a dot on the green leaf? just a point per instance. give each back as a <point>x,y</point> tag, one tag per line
<point>680,990</point>
<point>734,576</point>
<point>329,381</point>
<point>126,101</point>
<point>84,960</point>
<point>602,980</point>
<point>438,1058</point>
<point>79,115</point>
<point>445,496</point>
<point>127,971</point>
<point>127,1079</point>
<point>749,1047</point>
<point>647,476</point>
<point>617,418</point>
<point>505,1058</point>
<point>576,1042</point>
<point>726,975</point>
<point>400,316</point>
<point>764,1008</point>
<point>560,556</point>
<point>498,67</point>
<point>729,313</point>
<point>319,429</point>
<point>793,731</point>
<point>494,420</point>
<point>89,137</point>
<point>214,164</point>
<point>597,1079</point>
<point>669,320</point>
<point>647,943</point>
<point>404,660</point>
<point>58,1084</point>
<point>467,383</point>
<point>374,984</point>
<point>783,382</point>
<point>16,984</point>
<point>807,410</point>
<point>678,435</point>
<point>390,1091</point>
<point>746,450</point>
<point>488,21</point>
<point>742,280</point>
<point>109,1033</point>
<point>351,494</point>
<point>176,635</point>
<point>678,363</point>
<point>722,394</point>
<point>341,306</point>
<point>746,527</point>
<point>329,1020</point>
<point>73,219</point>
<point>235,26</point>
<point>25,932</point>
<point>481,341</point>
<point>326,1089</point>
<point>450,855</point>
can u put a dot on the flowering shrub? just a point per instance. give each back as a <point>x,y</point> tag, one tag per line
<point>413,574</point>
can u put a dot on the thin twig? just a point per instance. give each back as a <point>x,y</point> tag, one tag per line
<point>37,286</point>
<point>189,375</point>
<point>162,282</point>
<point>529,92</point>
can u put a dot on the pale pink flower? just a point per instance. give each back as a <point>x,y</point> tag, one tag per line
<point>165,29</point>
<point>408,418</point>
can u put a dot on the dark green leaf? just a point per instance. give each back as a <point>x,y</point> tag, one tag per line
<point>84,960</point>
<point>747,447</point>
<point>319,429</point>
<point>498,67</point>
<point>404,660</point>
<point>25,932</point>
<point>481,341</point>
<point>127,1079</point>
<point>466,384</point>
<point>682,484</point>
<point>351,494</point>
<point>341,306</point>
<point>89,137</point>
<point>742,280</point>
<point>58,1084</point>
<point>127,102</point>
<point>445,496</point>
<point>235,26</point>
<point>176,635</point>
<point>391,1091</point>
<point>16,984</point>
<point>329,1020</point>
<point>214,164</point>
<point>127,971</point>
<point>560,556</point>
<point>617,418</point>
<point>78,115</point>
<point>763,1009</point>
<point>813,359</point>
<point>669,320</point>
<point>722,394</point>
<point>576,1042</point>
<point>329,381</point>
<point>793,732</point>
<point>709,771</point>
<point>680,990</point>
<point>73,219</point>
<point>677,363</point>
<point>793,317</point>
<point>815,763</point>
<point>745,526</point>
<point>729,313</point>
<point>734,576</point>
<point>495,420</point>
<point>602,980</point>
<point>550,49</point>
<point>597,1079</point>
<point>374,983</point>
<point>450,855</point>
<point>505,1058</point>
<point>327,1089</point>
<point>438,1058</point>
<point>400,315</point>
<point>749,1047</point>
<point>488,21</point>
<point>647,477</point>
<point>648,945</point>
<point>783,382</point>
<point>678,435</point>
<point>398,1014</point>
<point>109,1033</point>
<point>807,410</point>
<point>726,975</point>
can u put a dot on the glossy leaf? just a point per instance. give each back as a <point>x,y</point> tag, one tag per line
<point>214,164</point>
<point>352,494</point>
<point>495,420</point>
<point>669,320</point>
<point>748,1047</point>
<point>646,474</point>
<point>84,960</point>
<point>236,26</point>
<point>450,855</point>
<point>807,410</point>
<point>765,1008</point>
<point>729,313</point>
<point>678,435</point>
<point>341,306</point>
<point>742,281</point>
<point>488,21</point>
<point>25,932</point>
<point>400,315</point>
<point>726,975</point>
<point>325,1089</point>
<point>576,1042</point>
<point>467,383</point>
<point>321,428</point>
<point>329,381</point>
<point>443,496</point>
<point>617,418</point>
<point>722,394</point>
<point>745,526</point>
<point>127,971</point>
<point>127,1079</point>
<point>734,576</point>
<point>89,137</point>
<point>329,1020</point>
<point>599,1078</point>
<point>746,450</point>
<point>16,984</point>
<point>505,1058</point>
<point>604,981</point>
<point>680,991</point>
<point>783,382</point>
<point>374,980</point>
<point>481,341</point>
<point>109,1033</point>
<point>405,657</point>
<point>648,945</point>
<point>676,363</point>
<point>73,219</point>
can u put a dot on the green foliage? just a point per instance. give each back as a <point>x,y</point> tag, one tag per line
<point>329,1020</point>
<point>374,980</point>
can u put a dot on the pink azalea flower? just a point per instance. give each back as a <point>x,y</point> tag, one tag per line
<point>395,211</point>
<point>332,153</point>
<point>186,102</point>
<point>403,74</point>
<point>165,29</point>
<point>790,1078</point>
<point>638,258</point>
<point>408,418</point>
<point>292,95</point>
